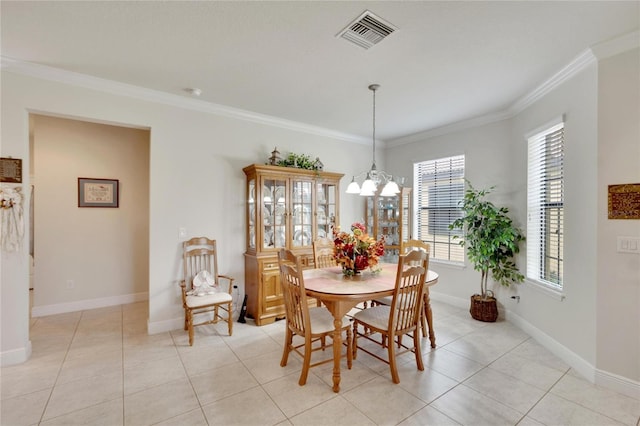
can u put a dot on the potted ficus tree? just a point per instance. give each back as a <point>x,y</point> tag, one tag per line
<point>491,240</point>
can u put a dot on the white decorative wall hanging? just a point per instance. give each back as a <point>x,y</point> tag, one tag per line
<point>11,209</point>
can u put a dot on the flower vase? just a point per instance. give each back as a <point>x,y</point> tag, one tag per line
<point>351,273</point>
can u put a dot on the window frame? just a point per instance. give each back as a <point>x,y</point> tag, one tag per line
<point>455,254</point>
<point>545,157</point>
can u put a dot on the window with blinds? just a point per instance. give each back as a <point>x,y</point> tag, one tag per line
<point>438,191</point>
<point>545,207</point>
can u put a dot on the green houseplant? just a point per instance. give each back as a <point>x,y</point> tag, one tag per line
<point>492,240</point>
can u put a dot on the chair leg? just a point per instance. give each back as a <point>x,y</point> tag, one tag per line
<point>423,322</point>
<point>186,319</point>
<point>417,350</point>
<point>305,364</point>
<point>349,351</point>
<point>393,366</point>
<point>288,340</point>
<point>190,326</point>
<point>354,343</point>
<point>230,319</point>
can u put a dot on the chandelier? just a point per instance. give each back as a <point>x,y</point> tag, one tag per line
<point>374,177</point>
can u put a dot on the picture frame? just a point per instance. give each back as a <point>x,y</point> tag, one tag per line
<point>93,192</point>
<point>624,201</point>
<point>10,170</point>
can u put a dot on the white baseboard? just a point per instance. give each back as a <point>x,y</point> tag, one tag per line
<point>16,356</point>
<point>583,367</point>
<point>81,305</point>
<point>619,384</point>
<point>450,300</point>
<point>164,326</point>
<point>605,379</point>
<point>172,324</point>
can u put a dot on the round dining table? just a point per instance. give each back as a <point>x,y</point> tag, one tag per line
<point>340,294</point>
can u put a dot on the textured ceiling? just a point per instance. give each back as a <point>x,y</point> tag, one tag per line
<point>447,62</point>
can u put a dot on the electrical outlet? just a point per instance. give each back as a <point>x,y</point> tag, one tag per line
<point>70,284</point>
<point>182,233</point>
<point>629,245</point>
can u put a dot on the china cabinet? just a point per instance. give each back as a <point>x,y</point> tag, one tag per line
<point>389,217</point>
<point>285,208</point>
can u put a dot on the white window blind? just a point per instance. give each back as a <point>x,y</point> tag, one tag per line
<point>545,206</point>
<point>439,188</point>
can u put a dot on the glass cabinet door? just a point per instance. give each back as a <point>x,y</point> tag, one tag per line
<point>406,218</point>
<point>251,212</point>
<point>326,196</point>
<point>369,218</point>
<point>302,213</point>
<point>388,220</point>
<point>273,219</point>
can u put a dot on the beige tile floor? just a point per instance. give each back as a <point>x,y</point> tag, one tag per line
<point>99,367</point>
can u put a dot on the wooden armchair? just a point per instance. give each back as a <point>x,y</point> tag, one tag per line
<point>202,292</point>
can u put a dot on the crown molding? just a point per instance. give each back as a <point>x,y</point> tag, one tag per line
<point>617,45</point>
<point>122,89</point>
<point>574,67</point>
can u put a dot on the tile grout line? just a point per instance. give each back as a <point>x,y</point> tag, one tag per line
<point>53,387</point>
<point>184,367</point>
<point>579,404</point>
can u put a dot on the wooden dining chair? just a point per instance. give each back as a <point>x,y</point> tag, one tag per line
<point>401,317</point>
<point>203,292</point>
<point>313,324</point>
<point>323,253</point>
<point>426,319</point>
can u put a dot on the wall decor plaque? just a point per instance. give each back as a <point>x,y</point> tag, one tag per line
<point>98,192</point>
<point>11,170</point>
<point>624,201</point>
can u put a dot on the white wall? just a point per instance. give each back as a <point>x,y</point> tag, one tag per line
<point>618,293</point>
<point>196,181</point>
<point>103,251</point>
<point>570,321</point>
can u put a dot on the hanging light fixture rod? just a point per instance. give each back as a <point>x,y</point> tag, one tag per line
<point>373,88</point>
<point>374,176</point>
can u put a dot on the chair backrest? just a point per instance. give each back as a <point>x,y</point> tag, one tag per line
<point>409,291</point>
<point>407,246</point>
<point>199,254</point>
<point>323,253</point>
<point>293,291</point>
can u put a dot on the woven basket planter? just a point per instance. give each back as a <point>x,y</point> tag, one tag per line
<point>484,309</point>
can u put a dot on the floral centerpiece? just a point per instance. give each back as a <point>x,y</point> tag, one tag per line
<point>356,251</point>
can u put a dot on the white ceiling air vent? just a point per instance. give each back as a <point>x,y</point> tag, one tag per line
<point>367,30</point>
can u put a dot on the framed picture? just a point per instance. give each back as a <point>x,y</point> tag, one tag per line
<point>624,201</point>
<point>11,170</point>
<point>98,192</point>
